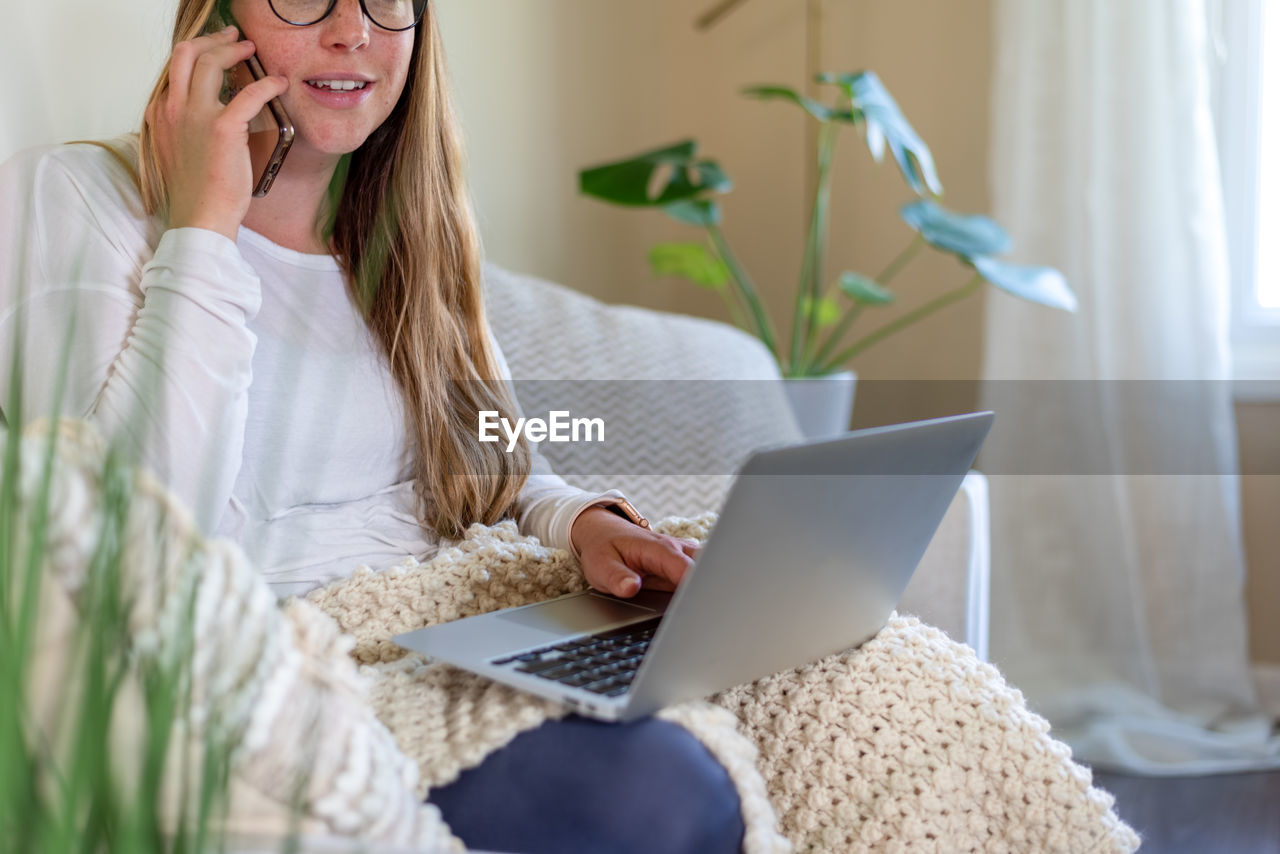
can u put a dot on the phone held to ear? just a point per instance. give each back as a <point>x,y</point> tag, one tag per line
<point>273,119</point>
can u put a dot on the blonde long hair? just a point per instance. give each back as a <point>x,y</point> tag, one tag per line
<point>402,228</point>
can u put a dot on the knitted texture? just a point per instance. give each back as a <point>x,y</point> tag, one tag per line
<point>449,719</point>
<point>909,743</point>
<point>277,684</point>
<point>686,400</point>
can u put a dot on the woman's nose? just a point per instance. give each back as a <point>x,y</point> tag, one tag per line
<point>347,25</point>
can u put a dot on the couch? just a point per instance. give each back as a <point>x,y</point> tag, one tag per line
<point>685,400</point>
<point>694,397</point>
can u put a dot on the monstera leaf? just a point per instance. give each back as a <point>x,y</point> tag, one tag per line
<point>886,124</point>
<point>864,290</point>
<point>700,212</point>
<point>1043,285</point>
<point>819,111</point>
<point>966,236</point>
<point>656,178</point>
<point>691,261</point>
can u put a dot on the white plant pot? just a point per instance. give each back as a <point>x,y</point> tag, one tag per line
<point>822,405</point>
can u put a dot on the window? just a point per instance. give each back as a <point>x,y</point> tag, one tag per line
<point>1248,113</point>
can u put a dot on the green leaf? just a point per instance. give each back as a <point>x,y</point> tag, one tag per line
<point>691,261</point>
<point>968,236</point>
<point>886,124</point>
<point>864,289</point>
<point>828,312</point>
<point>819,111</point>
<point>1043,285</point>
<point>711,177</point>
<point>694,212</point>
<point>676,171</point>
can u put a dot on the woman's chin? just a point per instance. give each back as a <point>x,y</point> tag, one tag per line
<point>332,143</point>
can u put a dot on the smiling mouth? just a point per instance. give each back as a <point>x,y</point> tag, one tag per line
<point>337,85</point>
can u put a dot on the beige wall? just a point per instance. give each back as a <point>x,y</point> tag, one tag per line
<point>1259,429</point>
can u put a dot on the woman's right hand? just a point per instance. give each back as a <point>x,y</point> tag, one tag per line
<point>202,144</point>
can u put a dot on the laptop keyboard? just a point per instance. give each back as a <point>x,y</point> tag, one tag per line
<point>603,663</point>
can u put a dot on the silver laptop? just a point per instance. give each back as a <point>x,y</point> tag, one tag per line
<point>813,548</point>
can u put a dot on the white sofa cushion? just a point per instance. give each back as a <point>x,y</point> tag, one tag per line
<point>684,400</point>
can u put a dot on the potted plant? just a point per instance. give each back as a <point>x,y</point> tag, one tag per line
<point>684,186</point>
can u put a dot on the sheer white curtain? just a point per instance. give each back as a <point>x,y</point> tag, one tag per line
<point>1117,593</point>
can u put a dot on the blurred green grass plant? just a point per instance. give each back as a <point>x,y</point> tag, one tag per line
<point>64,785</point>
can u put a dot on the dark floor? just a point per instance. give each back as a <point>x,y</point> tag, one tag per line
<point>1228,814</point>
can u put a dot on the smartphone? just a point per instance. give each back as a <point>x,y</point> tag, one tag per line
<point>275,120</point>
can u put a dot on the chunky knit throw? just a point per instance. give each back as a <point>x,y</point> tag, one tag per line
<point>908,743</point>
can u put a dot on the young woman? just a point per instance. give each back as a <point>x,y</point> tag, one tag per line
<point>306,369</point>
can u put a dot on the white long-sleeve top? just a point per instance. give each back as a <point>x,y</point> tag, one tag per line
<point>240,372</point>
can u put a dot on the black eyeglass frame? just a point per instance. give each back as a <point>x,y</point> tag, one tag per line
<point>417,19</point>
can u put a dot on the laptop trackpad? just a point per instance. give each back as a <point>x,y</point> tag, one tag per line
<point>577,614</point>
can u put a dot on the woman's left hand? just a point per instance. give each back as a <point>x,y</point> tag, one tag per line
<point>619,556</point>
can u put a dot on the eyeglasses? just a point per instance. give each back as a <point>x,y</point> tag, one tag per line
<point>394,15</point>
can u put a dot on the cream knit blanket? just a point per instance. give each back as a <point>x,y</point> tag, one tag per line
<point>908,743</point>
